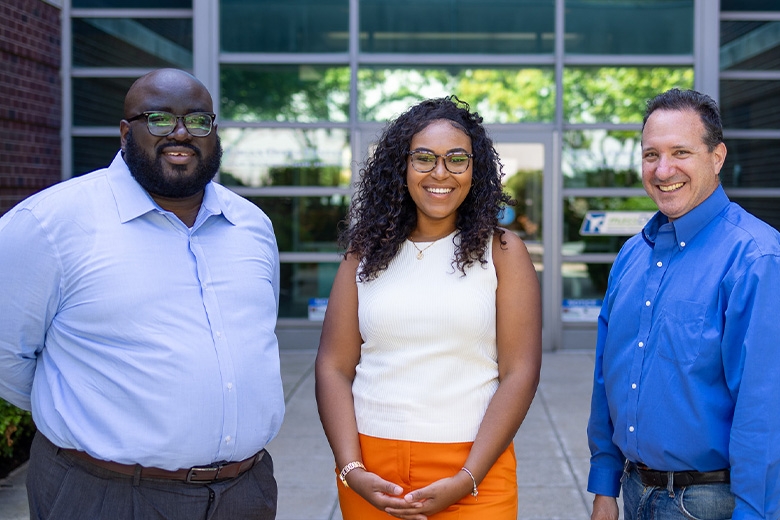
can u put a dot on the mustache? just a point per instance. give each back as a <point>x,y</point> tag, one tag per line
<point>160,149</point>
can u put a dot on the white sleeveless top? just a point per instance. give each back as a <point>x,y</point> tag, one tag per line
<point>428,365</point>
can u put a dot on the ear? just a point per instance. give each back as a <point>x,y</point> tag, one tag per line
<point>124,128</point>
<point>719,156</point>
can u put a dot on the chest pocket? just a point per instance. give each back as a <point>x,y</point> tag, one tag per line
<point>678,332</point>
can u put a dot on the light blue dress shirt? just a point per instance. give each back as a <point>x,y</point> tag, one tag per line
<point>688,355</point>
<point>133,337</point>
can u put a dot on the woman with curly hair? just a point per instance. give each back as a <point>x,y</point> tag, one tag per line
<point>431,347</point>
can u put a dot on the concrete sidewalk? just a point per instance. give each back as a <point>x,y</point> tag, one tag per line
<point>551,447</point>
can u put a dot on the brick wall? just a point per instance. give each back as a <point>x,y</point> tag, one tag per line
<point>30,99</point>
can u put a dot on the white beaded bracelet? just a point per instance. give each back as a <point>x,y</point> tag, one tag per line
<point>474,491</point>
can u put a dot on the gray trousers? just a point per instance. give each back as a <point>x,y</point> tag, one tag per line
<point>61,487</point>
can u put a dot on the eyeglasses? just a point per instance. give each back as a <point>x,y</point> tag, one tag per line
<point>161,124</point>
<point>455,162</point>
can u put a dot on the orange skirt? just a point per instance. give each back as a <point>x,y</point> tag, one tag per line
<point>414,465</point>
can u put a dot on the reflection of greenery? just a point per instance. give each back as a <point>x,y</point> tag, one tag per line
<point>500,95</point>
<point>525,187</point>
<point>284,93</point>
<point>617,94</point>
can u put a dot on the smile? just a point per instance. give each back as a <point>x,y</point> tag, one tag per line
<point>671,187</point>
<point>439,191</point>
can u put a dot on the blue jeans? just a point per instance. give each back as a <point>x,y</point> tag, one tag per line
<point>700,502</point>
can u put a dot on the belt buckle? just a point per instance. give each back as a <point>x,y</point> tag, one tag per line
<point>203,474</point>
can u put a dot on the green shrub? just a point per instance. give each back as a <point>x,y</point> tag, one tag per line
<point>15,425</point>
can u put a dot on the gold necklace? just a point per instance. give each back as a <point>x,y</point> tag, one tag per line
<point>420,251</point>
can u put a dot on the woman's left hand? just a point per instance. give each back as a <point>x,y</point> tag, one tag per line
<point>435,497</point>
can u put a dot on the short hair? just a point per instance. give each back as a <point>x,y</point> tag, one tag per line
<point>382,213</point>
<point>679,100</point>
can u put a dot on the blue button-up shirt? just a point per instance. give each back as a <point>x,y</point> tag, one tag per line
<point>133,337</point>
<point>687,359</point>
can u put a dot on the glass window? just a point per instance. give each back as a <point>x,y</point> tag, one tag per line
<point>608,238</point>
<point>750,45</point>
<point>750,104</point>
<point>93,153</point>
<point>458,26</point>
<point>284,25</point>
<point>584,286</point>
<point>523,168</point>
<point>129,42</point>
<point>99,101</point>
<point>602,159</point>
<point>305,224</point>
<point>622,27</point>
<point>302,281</point>
<point>507,95</point>
<point>285,157</point>
<point>300,93</point>
<point>616,94</point>
<point>751,163</point>
<point>749,5</point>
<point>138,4</point>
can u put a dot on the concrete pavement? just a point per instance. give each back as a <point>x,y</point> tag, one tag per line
<point>551,447</point>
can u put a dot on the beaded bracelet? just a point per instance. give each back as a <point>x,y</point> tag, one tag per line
<point>474,491</point>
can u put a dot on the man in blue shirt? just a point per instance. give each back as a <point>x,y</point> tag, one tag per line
<point>686,408</point>
<point>137,318</point>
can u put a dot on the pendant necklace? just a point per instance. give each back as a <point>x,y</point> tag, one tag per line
<point>420,251</point>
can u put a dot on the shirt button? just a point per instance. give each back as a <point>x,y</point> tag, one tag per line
<point>219,335</point>
<point>682,244</point>
<point>633,385</point>
<point>230,386</point>
<point>641,344</point>
<point>647,303</point>
<point>228,438</point>
<point>659,264</point>
<point>631,428</point>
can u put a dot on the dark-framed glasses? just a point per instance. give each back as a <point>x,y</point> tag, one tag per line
<point>455,162</point>
<point>161,124</point>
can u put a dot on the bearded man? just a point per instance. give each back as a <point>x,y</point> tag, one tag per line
<point>137,323</point>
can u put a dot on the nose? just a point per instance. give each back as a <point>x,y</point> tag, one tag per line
<point>440,171</point>
<point>664,167</point>
<point>180,132</point>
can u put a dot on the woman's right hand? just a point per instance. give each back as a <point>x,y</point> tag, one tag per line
<point>383,494</point>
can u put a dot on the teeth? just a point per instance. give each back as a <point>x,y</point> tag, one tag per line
<point>440,190</point>
<point>671,187</point>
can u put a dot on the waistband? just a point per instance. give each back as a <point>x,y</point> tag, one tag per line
<point>655,478</point>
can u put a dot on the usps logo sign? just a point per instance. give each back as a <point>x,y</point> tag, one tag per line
<point>615,223</point>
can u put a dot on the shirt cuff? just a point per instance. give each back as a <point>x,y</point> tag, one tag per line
<point>604,481</point>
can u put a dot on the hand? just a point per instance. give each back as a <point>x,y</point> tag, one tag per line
<point>381,494</point>
<point>433,498</point>
<point>604,508</point>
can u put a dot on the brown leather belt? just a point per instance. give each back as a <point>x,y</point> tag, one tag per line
<point>195,475</point>
<point>656,478</point>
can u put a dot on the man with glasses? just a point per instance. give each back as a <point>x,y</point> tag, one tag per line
<point>137,318</point>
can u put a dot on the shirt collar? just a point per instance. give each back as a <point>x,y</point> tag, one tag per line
<point>687,226</point>
<point>132,200</point>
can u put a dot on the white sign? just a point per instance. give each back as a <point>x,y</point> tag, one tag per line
<point>581,310</point>
<point>317,308</point>
<point>617,223</point>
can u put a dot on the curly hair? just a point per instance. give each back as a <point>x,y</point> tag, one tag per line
<point>383,215</point>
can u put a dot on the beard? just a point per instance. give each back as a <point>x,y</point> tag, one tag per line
<point>150,172</point>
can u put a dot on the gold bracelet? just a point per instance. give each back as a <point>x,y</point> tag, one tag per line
<point>474,491</point>
<point>349,467</point>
